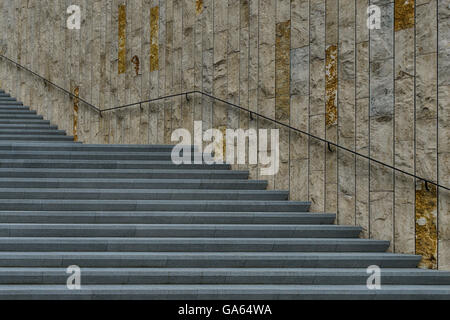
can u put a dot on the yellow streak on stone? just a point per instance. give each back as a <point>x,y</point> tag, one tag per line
<point>122,38</point>
<point>199,6</point>
<point>283,73</point>
<point>220,153</point>
<point>426,230</point>
<point>76,92</point>
<point>154,39</point>
<point>404,14</point>
<point>331,84</point>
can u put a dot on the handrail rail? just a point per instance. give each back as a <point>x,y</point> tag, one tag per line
<point>251,113</point>
<point>51,83</point>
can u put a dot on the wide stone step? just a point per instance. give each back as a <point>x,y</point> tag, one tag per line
<point>220,184</point>
<point>10,103</point>
<point>24,122</point>
<point>178,230</point>
<point>121,173</point>
<point>16,111</point>
<point>111,244</point>
<point>25,127</point>
<point>111,148</point>
<point>37,132</point>
<point>32,137</point>
<point>20,117</point>
<point>208,259</point>
<point>166,217</point>
<point>104,164</point>
<point>224,292</point>
<point>217,276</point>
<point>141,194</point>
<point>83,155</point>
<point>153,205</point>
<point>14,107</point>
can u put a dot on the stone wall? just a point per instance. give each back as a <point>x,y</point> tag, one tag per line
<point>313,64</point>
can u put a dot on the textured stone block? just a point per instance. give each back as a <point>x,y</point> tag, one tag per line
<point>300,71</point>
<point>382,40</point>
<point>426,225</point>
<point>381,88</point>
<point>404,14</point>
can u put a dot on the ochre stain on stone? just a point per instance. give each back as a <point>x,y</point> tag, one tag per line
<point>154,39</point>
<point>199,6</point>
<point>282,71</point>
<point>404,14</point>
<point>426,230</point>
<point>331,84</point>
<point>136,62</point>
<point>220,153</point>
<point>76,92</point>
<point>122,38</point>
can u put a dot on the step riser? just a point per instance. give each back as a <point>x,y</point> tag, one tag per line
<point>23,137</point>
<point>200,174</point>
<point>20,117</point>
<point>86,156</point>
<point>15,112</point>
<point>197,262</point>
<point>122,205</point>
<point>165,218</point>
<point>136,184</point>
<point>204,277</point>
<point>26,127</point>
<point>75,148</point>
<point>24,122</point>
<point>186,245</point>
<point>171,231</point>
<point>135,195</point>
<point>30,132</point>
<point>231,294</point>
<point>105,164</point>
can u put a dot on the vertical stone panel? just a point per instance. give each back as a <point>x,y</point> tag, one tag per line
<point>346,113</point>
<point>299,118</point>
<point>299,23</point>
<point>135,72</point>
<point>220,70</point>
<point>233,68</point>
<point>160,82</point>
<point>148,125</point>
<point>381,124</point>
<point>187,63</point>
<point>266,67</point>
<point>282,92</point>
<point>253,76</point>
<point>154,38</point>
<point>244,14</point>
<point>426,95</point>
<point>444,133</point>
<point>317,105</point>
<point>122,38</point>
<point>404,222</point>
<point>168,71</point>
<point>331,112</point>
<point>426,225</point>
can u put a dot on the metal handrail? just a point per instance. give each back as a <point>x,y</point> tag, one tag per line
<point>251,113</point>
<point>51,83</point>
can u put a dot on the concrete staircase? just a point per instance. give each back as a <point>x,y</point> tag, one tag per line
<point>142,228</point>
